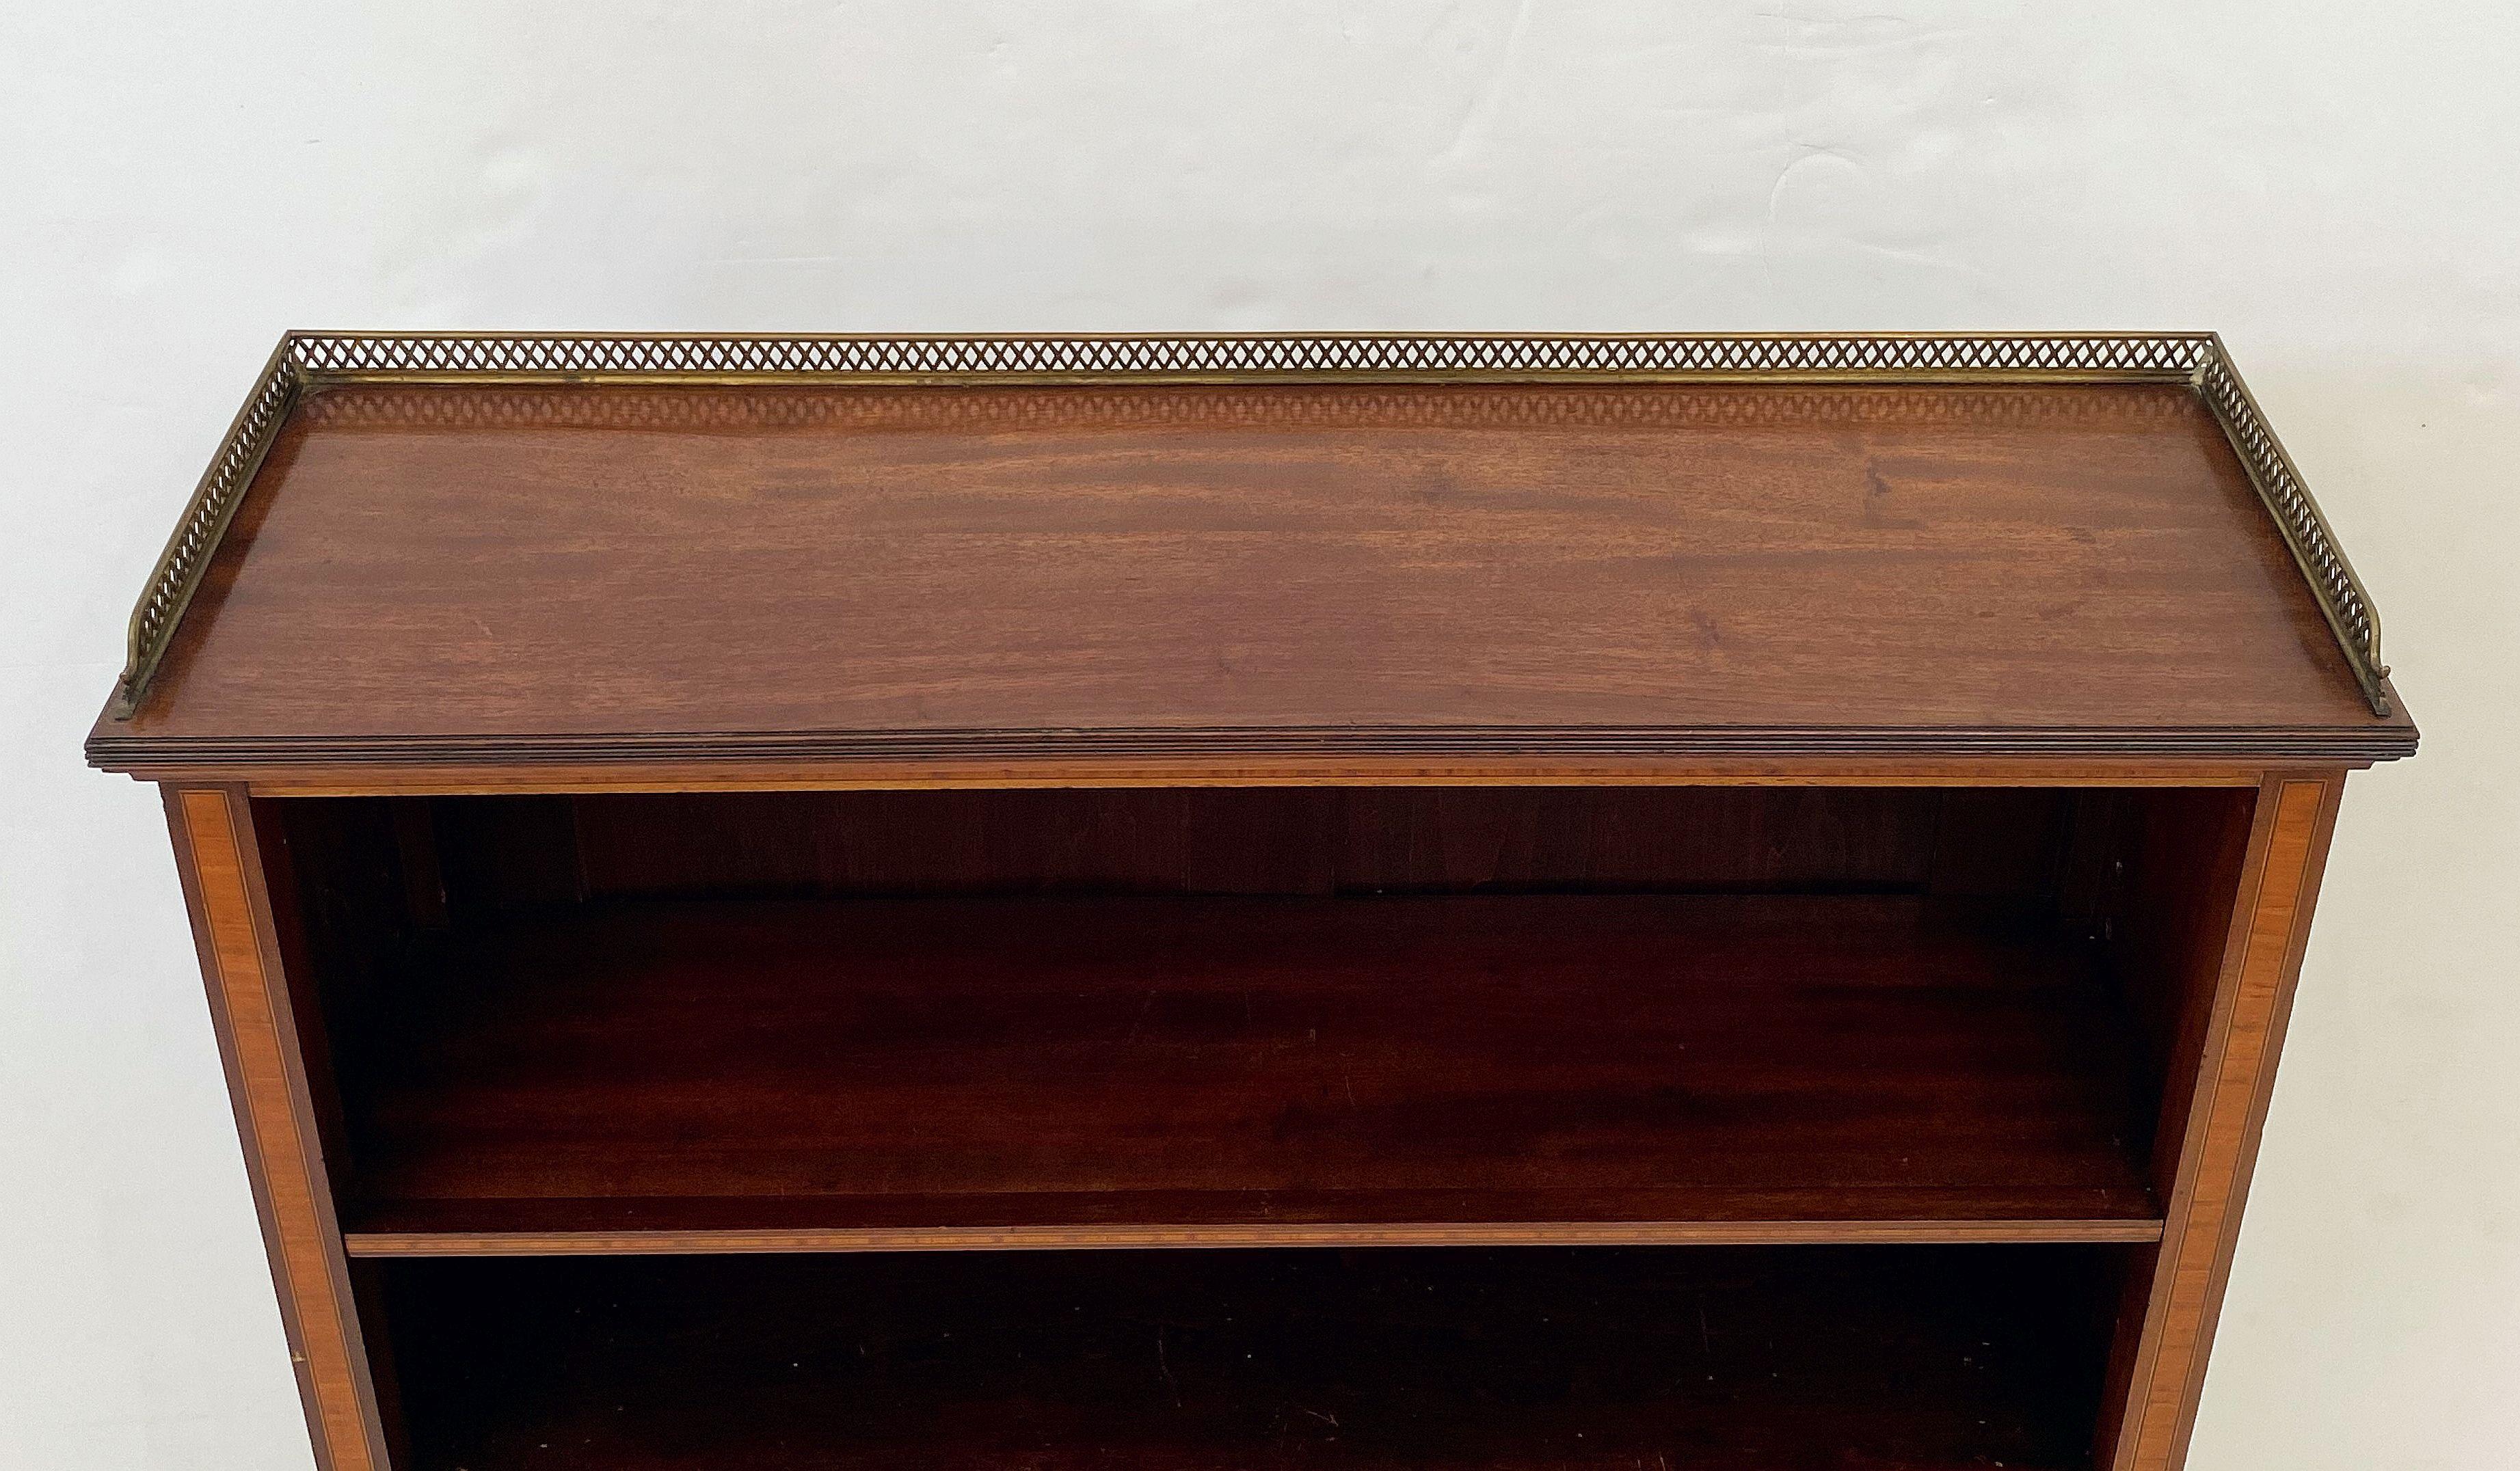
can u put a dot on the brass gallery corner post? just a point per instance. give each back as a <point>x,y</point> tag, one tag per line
<point>719,860</point>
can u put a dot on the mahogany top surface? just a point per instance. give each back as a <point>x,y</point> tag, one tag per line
<point>463,571</point>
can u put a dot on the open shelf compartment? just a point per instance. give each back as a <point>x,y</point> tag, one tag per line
<point>1872,1359</point>
<point>879,1020</point>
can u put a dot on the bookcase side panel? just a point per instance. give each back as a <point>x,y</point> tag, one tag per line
<point>2233,1076</point>
<point>276,1119</point>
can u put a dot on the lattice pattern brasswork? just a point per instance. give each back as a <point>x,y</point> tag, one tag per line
<point>1576,406</point>
<point>214,503</point>
<point>1158,357</point>
<point>316,357</point>
<point>2305,529</point>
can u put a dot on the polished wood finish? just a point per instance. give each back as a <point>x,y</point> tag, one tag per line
<point>435,574</point>
<point>249,1005</point>
<point>1888,1359</point>
<point>1537,1067</point>
<point>739,775</point>
<point>556,1228</point>
<point>2233,1078</point>
<point>2141,871</point>
<point>1771,906</point>
<point>512,853</point>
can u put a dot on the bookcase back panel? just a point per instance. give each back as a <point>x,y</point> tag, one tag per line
<point>504,852</point>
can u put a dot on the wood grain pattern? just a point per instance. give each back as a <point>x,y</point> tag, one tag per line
<point>1155,1068</point>
<point>1285,841</point>
<point>1984,1177</point>
<point>1166,574</point>
<point>2233,1080</point>
<point>276,1120</point>
<point>793,938</point>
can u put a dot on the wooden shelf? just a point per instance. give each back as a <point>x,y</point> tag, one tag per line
<point>1883,1359</point>
<point>771,1075</point>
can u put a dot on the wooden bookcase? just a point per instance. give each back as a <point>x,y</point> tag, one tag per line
<point>818,903</point>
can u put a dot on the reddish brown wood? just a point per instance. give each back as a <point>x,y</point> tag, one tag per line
<point>682,1227</point>
<point>1790,782</point>
<point>1154,1069</point>
<point>515,852</point>
<point>1883,1359</point>
<point>735,774</point>
<point>277,1120</point>
<point>2154,1401</point>
<point>475,575</point>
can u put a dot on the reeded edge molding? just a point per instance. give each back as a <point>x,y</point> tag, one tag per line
<point>2262,743</point>
<point>307,360</point>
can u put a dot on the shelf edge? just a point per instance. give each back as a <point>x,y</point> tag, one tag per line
<point>277,755</point>
<point>1103,1236</point>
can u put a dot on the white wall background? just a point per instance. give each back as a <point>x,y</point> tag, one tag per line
<point>2330,185</point>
